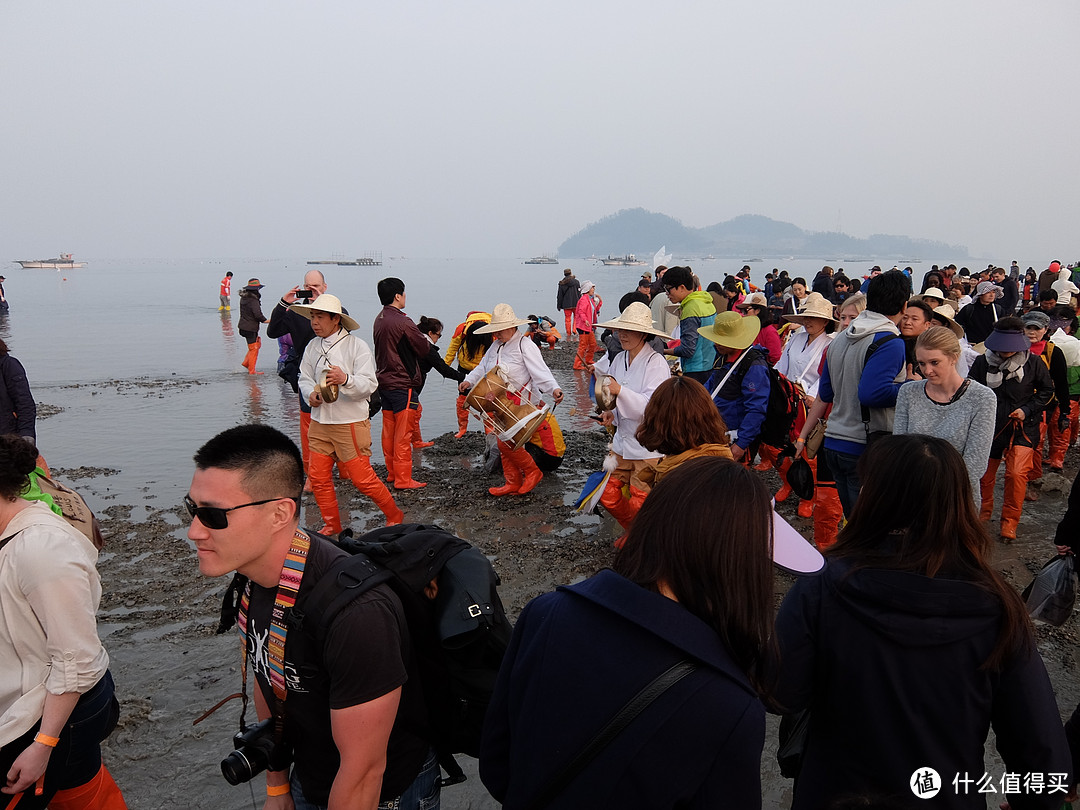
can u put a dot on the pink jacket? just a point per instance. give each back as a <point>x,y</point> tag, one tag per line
<point>587,312</point>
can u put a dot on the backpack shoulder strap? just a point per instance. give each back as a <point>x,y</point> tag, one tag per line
<point>346,579</point>
<point>873,347</point>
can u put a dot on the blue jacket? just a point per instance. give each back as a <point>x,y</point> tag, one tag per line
<point>577,656</point>
<point>17,409</point>
<point>744,399</point>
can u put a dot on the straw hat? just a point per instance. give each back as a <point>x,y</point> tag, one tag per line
<point>815,306</point>
<point>326,303</point>
<point>753,300</point>
<point>502,317</point>
<point>945,315</point>
<point>732,330</point>
<point>934,292</point>
<point>637,317</point>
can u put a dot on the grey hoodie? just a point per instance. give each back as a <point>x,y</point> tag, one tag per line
<point>849,386</point>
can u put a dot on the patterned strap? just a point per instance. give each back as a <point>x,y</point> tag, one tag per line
<point>292,573</point>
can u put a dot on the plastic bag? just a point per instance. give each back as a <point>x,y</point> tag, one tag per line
<point>1050,596</point>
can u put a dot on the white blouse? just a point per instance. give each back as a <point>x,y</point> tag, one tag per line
<point>522,361</point>
<point>800,361</point>
<point>638,380</point>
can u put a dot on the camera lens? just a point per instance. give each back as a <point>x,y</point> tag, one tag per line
<point>236,768</point>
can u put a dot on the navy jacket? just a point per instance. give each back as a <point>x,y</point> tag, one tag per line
<point>17,409</point>
<point>744,399</point>
<point>889,663</point>
<point>577,656</point>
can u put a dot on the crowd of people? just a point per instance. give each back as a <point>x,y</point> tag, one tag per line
<point>887,412</point>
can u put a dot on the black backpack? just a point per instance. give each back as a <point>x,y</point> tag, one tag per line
<point>459,637</point>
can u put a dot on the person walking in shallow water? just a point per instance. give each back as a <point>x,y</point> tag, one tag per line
<point>225,292</point>
<point>251,316</point>
<point>567,298</point>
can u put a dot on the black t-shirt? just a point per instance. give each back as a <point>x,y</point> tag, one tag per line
<point>366,654</point>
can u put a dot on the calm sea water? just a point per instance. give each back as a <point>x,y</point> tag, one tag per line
<point>146,369</point>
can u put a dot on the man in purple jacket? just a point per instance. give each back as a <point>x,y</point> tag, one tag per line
<point>398,346</point>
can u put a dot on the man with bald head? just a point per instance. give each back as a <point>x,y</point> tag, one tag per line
<point>283,321</point>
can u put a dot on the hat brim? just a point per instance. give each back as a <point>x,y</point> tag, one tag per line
<point>999,342</point>
<point>307,309</point>
<point>801,318</point>
<point>957,329</point>
<point>792,552</point>
<point>500,325</point>
<point>631,327</point>
<point>742,338</point>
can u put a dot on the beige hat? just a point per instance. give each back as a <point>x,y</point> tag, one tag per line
<point>326,303</point>
<point>815,306</point>
<point>754,300</point>
<point>731,330</point>
<point>934,292</point>
<point>637,317</point>
<point>502,317</point>
<point>945,315</point>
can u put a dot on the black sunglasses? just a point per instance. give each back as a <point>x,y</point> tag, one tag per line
<point>214,517</point>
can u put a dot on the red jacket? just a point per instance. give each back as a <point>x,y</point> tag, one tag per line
<point>398,346</point>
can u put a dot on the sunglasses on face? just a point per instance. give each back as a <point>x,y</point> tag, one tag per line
<point>214,517</point>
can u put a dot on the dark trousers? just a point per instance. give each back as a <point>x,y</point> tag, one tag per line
<point>843,467</point>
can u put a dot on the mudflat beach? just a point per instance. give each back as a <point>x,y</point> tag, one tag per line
<point>158,615</point>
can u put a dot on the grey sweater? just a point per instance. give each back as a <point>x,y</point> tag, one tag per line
<point>967,423</point>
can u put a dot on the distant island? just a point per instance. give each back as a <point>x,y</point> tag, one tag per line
<point>635,230</point>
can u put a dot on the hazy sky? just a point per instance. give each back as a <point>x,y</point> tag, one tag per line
<point>296,129</point>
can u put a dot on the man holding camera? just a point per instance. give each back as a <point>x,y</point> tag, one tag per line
<point>345,704</point>
<point>283,321</point>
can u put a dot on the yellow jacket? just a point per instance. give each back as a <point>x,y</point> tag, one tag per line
<point>457,350</point>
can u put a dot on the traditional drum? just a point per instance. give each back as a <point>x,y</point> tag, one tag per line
<point>506,407</point>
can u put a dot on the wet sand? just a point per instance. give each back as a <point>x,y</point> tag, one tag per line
<point>158,615</point>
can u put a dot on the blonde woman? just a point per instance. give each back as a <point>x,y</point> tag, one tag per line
<point>945,404</point>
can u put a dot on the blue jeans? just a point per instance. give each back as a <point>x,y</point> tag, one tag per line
<point>843,467</point>
<point>422,794</point>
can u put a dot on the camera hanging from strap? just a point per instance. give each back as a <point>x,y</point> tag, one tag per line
<point>292,574</point>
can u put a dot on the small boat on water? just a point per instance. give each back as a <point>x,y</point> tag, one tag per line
<point>371,260</point>
<point>629,260</point>
<point>541,260</point>
<point>63,262</point>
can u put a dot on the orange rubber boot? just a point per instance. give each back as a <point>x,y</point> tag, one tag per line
<point>403,430</point>
<point>100,793</point>
<point>1057,442</point>
<point>364,479</point>
<point>1017,466</point>
<point>305,426</point>
<point>510,472</point>
<point>785,490</point>
<point>253,350</point>
<point>828,512</point>
<point>530,473</point>
<point>322,485</point>
<point>417,439</point>
<point>986,488</point>
<point>389,423</point>
<point>462,417</point>
<point>769,457</point>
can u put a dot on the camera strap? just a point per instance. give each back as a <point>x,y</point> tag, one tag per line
<point>292,574</point>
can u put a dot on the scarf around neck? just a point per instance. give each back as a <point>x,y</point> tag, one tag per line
<point>1000,368</point>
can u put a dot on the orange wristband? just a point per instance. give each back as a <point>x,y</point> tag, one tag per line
<point>45,739</point>
<point>277,790</point>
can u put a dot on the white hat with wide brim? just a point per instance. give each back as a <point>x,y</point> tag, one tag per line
<point>946,313</point>
<point>933,292</point>
<point>637,317</point>
<point>815,306</point>
<point>502,317</point>
<point>326,303</point>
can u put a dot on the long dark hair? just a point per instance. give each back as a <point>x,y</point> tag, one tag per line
<point>705,532</point>
<point>473,342</point>
<point>916,512</point>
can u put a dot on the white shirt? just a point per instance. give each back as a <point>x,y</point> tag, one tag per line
<point>800,362</point>
<point>522,362</point>
<point>638,379</point>
<point>351,355</point>
<point>49,595</point>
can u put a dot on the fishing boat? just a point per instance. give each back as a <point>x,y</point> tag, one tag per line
<point>541,260</point>
<point>63,262</point>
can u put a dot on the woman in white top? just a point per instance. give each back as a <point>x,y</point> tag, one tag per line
<point>56,693</point>
<point>520,359</point>
<point>800,360</point>
<point>633,374</point>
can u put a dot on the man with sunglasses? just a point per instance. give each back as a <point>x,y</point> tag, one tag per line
<point>353,705</point>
